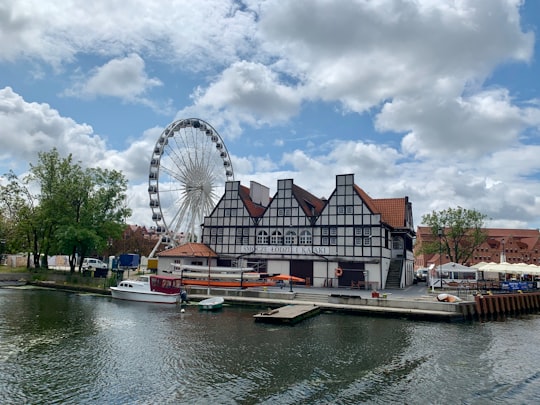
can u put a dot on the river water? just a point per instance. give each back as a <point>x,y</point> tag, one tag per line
<point>60,347</point>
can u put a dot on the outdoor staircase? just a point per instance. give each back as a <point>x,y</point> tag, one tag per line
<point>310,297</point>
<point>393,281</point>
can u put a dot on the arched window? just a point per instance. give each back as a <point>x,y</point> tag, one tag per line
<point>305,237</point>
<point>276,238</point>
<point>262,238</point>
<point>290,238</point>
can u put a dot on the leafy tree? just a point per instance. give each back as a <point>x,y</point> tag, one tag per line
<point>461,232</point>
<point>21,224</point>
<point>82,208</point>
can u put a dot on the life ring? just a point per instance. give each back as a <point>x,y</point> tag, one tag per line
<point>339,271</point>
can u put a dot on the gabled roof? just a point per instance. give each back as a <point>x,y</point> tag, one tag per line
<point>367,199</point>
<point>254,210</point>
<point>393,211</point>
<point>311,205</point>
<point>189,250</point>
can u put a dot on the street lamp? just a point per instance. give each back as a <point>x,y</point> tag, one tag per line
<point>440,234</point>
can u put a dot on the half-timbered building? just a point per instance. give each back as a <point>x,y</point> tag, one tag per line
<point>347,240</point>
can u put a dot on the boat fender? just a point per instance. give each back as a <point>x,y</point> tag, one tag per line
<point>339,271</point>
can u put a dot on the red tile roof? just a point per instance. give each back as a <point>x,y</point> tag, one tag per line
<point>307,201</point>
<point>393,210</point>
<point>255,210</point>
<point>189,250</point>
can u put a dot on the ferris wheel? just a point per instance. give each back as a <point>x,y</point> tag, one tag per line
<point>188,170</point>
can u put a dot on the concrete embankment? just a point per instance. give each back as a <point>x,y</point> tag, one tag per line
<point>414,306</point>
<point>426,308</point>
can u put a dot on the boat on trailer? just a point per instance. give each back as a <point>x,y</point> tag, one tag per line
<point>219,276</point>
<point>212,303</point>
<point>160,289</point>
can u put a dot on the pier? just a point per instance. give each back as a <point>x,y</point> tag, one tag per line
<point>289,314</point>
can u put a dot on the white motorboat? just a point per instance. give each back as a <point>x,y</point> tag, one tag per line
<point>212,303</point>
<point>149,288</point>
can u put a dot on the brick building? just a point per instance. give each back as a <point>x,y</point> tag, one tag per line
<point>502,245</point>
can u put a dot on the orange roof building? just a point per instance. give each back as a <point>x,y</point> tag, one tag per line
<point>502,245</point>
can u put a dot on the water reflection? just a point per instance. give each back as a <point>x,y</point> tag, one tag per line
<point>61,347</point>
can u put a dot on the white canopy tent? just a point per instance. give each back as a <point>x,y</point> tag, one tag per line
<point>452,273</point>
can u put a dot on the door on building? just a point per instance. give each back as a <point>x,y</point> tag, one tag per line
<point>353,275</point>
<point>302,269</point>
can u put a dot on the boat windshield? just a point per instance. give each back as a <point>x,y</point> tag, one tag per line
<point>165,285</point>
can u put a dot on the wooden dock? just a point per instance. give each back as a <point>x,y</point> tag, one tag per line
<point>290,314</point>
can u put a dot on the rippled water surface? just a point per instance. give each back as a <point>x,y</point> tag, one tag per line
<point>58,347</point>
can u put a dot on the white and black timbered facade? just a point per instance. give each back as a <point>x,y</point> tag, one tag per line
<point>349,240</point>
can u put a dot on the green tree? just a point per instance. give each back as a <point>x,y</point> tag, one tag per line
<point>81,208</point>
<point>21,225</point>
<point>457,232</point>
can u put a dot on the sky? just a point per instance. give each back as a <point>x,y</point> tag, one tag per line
<point>435,100</point>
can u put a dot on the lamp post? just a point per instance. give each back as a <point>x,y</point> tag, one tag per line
<point>290,242</point>
<point>440,234</point>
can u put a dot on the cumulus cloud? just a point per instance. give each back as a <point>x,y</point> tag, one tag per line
<point>29,128</point>
<point>188,33</point>
<point>415,70</point>
<point>123,78</point>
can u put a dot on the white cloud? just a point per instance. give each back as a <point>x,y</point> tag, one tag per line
<point>362,53</point>
<point>417,67</point>
<point>123,78</point>
<point>29,128</point>
<point>191,34</point>
<point>466,126</point>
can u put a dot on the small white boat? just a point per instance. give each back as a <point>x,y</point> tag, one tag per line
<point>448,298</point>
<point>149,288</point>
<point>212,303</point>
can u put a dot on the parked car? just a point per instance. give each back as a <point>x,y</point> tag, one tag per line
<point>421,275</point>
<point>93,264</point>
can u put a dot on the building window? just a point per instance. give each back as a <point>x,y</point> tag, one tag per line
<point>341,209</point>
<point>333,231</point>
<point>324,231</point>
<point>262,238</point>
<point>305,237</point>
<point>358,241</point>
<point>367,241</point>
<point>349,209</point>
<point>324,240</point>
<point>333,241</point>
<point>367,231</point>
<point>276,238</point>
<point>290,238</point>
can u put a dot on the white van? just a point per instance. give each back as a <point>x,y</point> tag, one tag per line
<point>93,264</point>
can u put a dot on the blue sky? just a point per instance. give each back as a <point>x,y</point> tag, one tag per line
<point>435,100</point>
